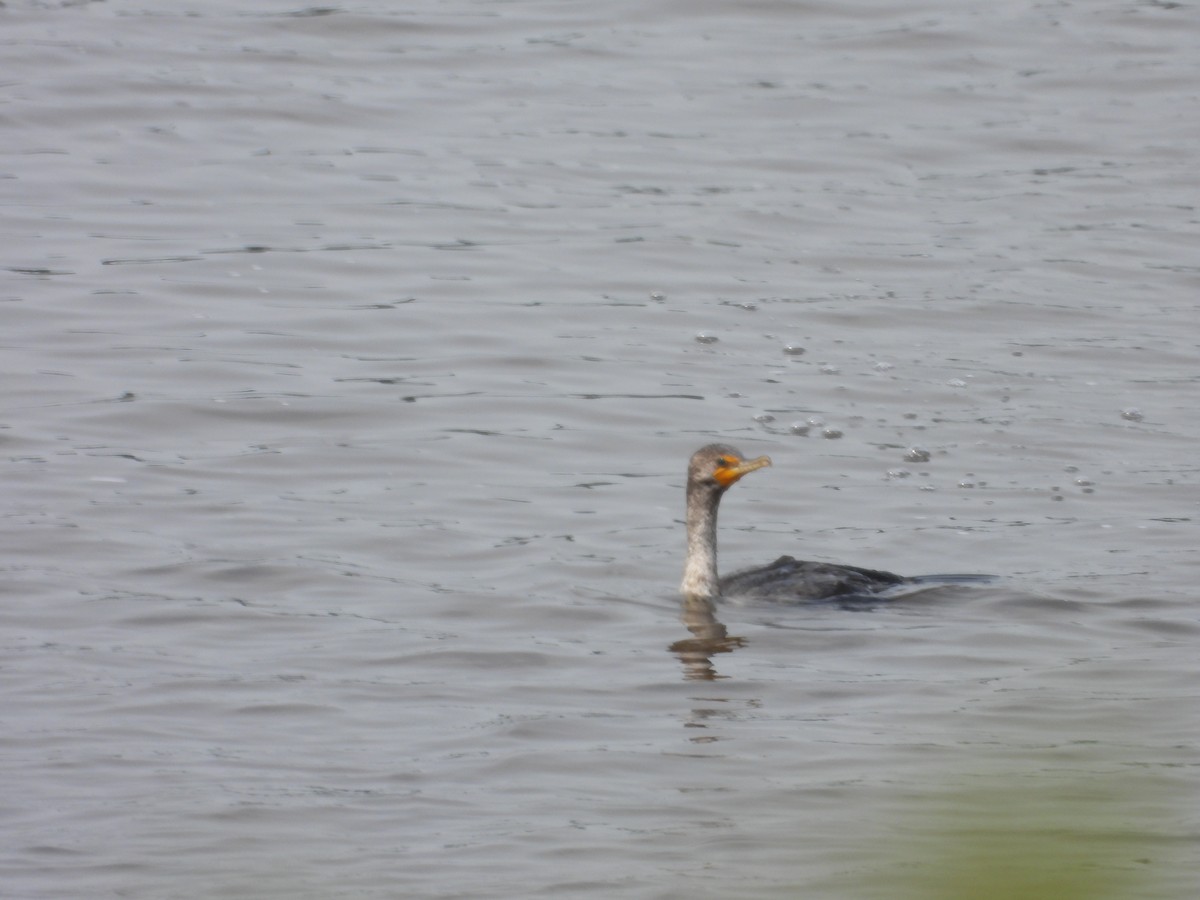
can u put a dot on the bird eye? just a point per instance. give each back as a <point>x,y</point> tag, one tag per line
<point>725,462</point>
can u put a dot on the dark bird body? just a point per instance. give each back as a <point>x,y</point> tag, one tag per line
<point>790,579</point>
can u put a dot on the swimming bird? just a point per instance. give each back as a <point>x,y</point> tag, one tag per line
<point>712,471</point>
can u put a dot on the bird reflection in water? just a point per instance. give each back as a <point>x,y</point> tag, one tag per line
<point>709,637</point>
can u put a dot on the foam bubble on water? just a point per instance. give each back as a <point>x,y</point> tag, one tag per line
<point>793,350</point>
<point>800,428</point>
<point>831,434</point>
<point>706,337</point>
<point>917,454</point>
<point>1132,414</point>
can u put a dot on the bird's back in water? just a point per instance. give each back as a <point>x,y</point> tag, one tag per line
<point>790,580</point>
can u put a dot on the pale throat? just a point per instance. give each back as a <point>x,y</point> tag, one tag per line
<point>700,570</point>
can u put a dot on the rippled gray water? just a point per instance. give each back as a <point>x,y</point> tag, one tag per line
<point>351,366</point>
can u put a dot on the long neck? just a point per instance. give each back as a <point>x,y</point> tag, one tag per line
<point>700,570</point>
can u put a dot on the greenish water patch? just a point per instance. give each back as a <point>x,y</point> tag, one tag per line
<point>1039,836</point>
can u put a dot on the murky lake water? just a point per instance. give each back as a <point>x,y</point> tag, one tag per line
<point>351,370</point>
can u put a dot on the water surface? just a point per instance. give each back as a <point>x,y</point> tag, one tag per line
<point>352,367</point>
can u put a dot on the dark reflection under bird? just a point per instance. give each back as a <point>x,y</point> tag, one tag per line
<point>712,471</point>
